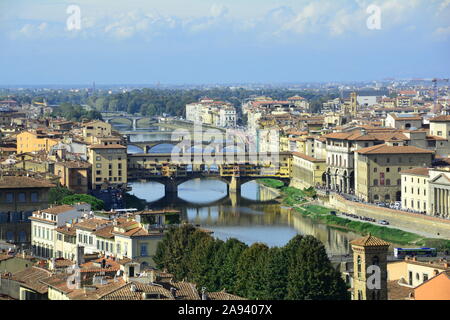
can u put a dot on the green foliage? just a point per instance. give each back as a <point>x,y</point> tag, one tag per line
<point>131,201</point>
<point>73,112</point>
<point>57,194</point>
<point>311,275</point>
<point>96,204</point>
<point>250,274</point>
<point>272,183</point>
<point>255,272</point>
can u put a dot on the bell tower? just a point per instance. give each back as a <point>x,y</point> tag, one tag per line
<point>369,268</point>
<point>353,104</point>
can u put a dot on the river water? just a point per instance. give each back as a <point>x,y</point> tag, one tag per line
<point>253,216</point>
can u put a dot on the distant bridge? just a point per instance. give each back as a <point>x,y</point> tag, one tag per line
<point>133,119</point>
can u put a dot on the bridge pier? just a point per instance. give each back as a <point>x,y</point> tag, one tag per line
<point>171,187</point>
<point>235,185</point>
<point>134,123</point>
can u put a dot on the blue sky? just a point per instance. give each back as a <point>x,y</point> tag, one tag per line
<point>222,41</point>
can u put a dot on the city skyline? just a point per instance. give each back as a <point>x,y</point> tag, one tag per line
<point>222,42</point>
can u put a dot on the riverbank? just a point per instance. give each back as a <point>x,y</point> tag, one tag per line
<point>302,202</point>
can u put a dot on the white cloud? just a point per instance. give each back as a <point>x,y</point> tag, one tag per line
<point>323,18</point>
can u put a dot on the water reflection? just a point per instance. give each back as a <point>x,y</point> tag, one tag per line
<point>254,222</point>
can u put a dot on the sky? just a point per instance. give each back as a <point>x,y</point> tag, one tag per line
<point>222,41</point>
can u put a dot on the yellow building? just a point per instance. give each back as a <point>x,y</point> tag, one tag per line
<point>74,175</point>
<point>109,164</point>
<point>413,272</point>
<point>307,171</point>
<point>96,128</point>
<point>378,168</point>
<point>65,242</point>
<point>33,141</point>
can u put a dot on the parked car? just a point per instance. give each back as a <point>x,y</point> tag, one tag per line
<point>383,222</point>
<point>333,213</point>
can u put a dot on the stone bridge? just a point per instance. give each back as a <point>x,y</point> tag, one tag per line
<point>131,118</point>
<point>171,183</point>
<point>146,146</point>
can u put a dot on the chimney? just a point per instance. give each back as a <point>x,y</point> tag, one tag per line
<point>204,294</point>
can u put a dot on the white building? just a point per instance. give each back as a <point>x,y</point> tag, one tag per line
<point>212,112</point>
<point>45,222</point>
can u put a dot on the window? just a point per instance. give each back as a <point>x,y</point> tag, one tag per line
<point>144,250</point>
<point>22,197</point>
<point>375,182</point>
<point>34,197</point>
<point>375,261</point>
<point>388,170</point>
<point>98,158</point>
<point>388,182</point>
<point>9,197</point>
<point>375,169</point>
<point>98,165</point>
<point>425,277</point>
<point>359,266</point>
<point>375,197</point>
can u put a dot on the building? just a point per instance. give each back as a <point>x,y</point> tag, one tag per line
<point>415,189</point>
<point>34,141</point>
<point>413,272</point>
<point>212,112</point>
<point>96,128</point>
<point>340,152</point>
<point>369,268</point>
<point>19,197</point>
<point>307,171</point>
<point>74,175</point>
<point>45,222</point>
<point>437,288</point>
<point>378,170</point>
<point>403,102</point>
<point>403,121</point>
<point>109,165</point>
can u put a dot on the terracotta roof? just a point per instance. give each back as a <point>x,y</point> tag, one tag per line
<point>74,164</point>
<point>4,257</point>
<point>306,157</point>
<point>67,230</point>
<point>443,118</point>
<point>105,232</point>
<point>20,182</point>
<point>109,146</point>
<point>385,149</point>
<point>398,292</point>
<point>59,209</point>
<point>222,295</point>
<point>125,292</point>
<point>369,241</point>
<point>417,171</point>
<point>91,224</point>
<point>31,277</point>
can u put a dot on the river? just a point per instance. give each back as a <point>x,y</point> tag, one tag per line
<point>251,217</point>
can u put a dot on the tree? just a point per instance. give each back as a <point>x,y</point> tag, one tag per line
<point>275,275</point>
<point>96,204</point>
<point>227,268</point>
<point>173,250</point>
<point>57,194</point>
<point>250,271</point>
<point>311,275</point>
